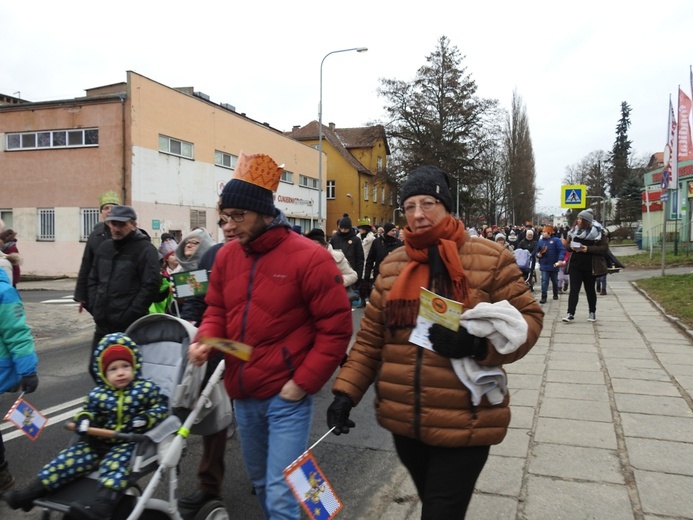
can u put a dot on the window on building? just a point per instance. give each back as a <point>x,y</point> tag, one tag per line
<point>380,164</point>
<point>375,194</point>
<point>175,147</point>
<point>88,218</point>
<point>46,224</point>
<point>81,138</point>
<point>308,182</point>
<point>331,191</point>
<point>365,191</point>
<point>6,216</point>
<point>198,218</point>
<point>382,196</point>
<point>287,177</point>
<point>225,160</point>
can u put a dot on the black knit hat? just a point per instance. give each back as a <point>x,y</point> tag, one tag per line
<point>254,180</point>
<point>316,234</point>
<point>388,226</point>
<point>428,180</point>
<point>239,194</point>
<point>345,223</point>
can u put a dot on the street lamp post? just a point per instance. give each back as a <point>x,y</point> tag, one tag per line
<point>357,49</point>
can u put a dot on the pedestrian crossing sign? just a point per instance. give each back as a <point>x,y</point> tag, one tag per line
<point>574,196</point>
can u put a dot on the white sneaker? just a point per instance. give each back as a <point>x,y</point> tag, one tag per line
<point>592,317</point>
<point>568,318</point>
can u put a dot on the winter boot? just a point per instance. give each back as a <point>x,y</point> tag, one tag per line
<point>6,478</point>
<point>101,509</point>
<point>24,498</point>
<point>555,295</point>
<point>543,298</point>
<point>565,286</point>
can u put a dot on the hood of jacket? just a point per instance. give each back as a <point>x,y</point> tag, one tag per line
<point>190,263</point>
<point>116,338</point>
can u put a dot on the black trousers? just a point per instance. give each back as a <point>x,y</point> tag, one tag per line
<point>578,278</point>
<point>444,477</point>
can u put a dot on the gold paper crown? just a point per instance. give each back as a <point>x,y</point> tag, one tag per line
<point>258,169</point>
<point>110,197</point>
<point>364,222</point>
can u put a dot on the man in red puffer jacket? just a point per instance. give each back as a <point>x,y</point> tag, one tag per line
<point>283,295</point>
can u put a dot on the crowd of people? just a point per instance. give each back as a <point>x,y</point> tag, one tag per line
<point>287,294</point>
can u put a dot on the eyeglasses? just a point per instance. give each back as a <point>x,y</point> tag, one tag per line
<point>192,243</point>
<point>238,216</point>
<point>425,206</point>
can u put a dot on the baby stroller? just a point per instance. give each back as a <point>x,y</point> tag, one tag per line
<point>163,341</point>
<point>526,261</point>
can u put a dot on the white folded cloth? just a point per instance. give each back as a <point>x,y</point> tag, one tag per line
<point>506,329</point>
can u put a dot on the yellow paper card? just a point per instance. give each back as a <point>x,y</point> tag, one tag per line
<point>434,308</point>
<point>229,346</point>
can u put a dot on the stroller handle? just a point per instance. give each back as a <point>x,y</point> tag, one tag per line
<point>109,434</point>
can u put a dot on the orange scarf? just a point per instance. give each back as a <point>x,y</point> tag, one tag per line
<point>448,235</point>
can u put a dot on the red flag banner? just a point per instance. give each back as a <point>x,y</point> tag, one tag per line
<point>685,152</point>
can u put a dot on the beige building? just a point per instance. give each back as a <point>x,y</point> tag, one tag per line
<point>167,151</point>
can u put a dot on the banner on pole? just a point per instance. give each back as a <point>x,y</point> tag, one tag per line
<point>311,488</point>
<point>26,418</point>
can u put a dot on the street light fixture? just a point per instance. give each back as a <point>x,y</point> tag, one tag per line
<point>357,49</point>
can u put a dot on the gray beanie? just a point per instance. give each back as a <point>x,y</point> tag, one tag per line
<point>428,180</point>
<point>586,214</point>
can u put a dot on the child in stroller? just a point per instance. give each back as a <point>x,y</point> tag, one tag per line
<point>122,401</point>
<point>526,262</point>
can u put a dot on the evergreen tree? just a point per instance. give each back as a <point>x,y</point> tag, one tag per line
<point>629,206</point>
<point>438,119</point>
<point>619,157</point>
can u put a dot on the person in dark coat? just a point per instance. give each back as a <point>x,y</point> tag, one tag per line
<point>348,243</point>
<point>99,234</point>
<point>124,278</point>
<point>588,245</point>
<point>380,248</point>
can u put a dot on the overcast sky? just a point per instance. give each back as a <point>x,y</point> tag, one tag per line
<point>572,64</point>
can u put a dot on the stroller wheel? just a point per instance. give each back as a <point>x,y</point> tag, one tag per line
<point>214,510</point>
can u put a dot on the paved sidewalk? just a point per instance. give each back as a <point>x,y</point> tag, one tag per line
<point>602,421</point>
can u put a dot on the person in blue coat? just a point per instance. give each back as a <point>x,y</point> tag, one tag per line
<point>550,251</point>
<point>17,356</point>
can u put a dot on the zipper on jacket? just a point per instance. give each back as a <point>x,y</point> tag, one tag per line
<point>287,360</point>
<point>249,294</point>
<point>417,394</point>
<point>245,318</point>
<point>119,413</point>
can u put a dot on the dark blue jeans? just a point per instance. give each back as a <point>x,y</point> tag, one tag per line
<point>545,277</point>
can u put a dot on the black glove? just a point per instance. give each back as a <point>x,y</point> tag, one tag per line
<point>458,344</point>
<point>338,414</point>
<point>29,383</point>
